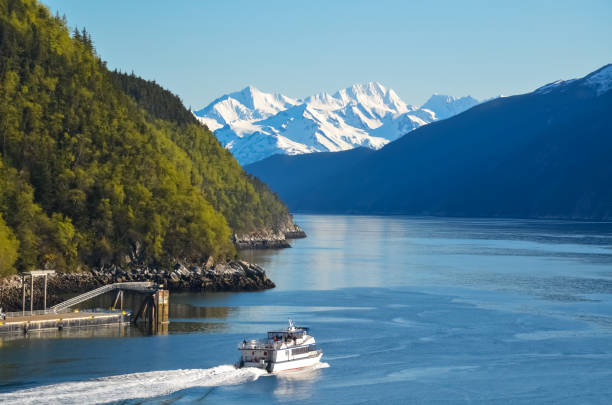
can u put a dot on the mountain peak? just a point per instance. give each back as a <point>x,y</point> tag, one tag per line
<point>445,106</point>
<point>373,96</point>
<point>368,89</point>
<point>600,79</point>
<point>247,96</point>
<point>248,104</point>
<point>250,89</point>
<point>371,87</point>
<point>442,97</point>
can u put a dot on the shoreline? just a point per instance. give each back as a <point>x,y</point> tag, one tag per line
<point>269,239</point>
<point>228,276</point>
<point>234,275</point>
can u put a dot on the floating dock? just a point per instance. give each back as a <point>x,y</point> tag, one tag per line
<point>50,321</point>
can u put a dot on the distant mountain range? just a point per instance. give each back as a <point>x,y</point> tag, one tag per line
<point>540,154</point>
<point>254,125</point>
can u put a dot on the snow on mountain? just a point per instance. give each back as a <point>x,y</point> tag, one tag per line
<point>446,106</point>
<point>547,88</point>
<point>600,80</point>
<point>404,123</point>
<point>249,104</point>
<point>254,125</point>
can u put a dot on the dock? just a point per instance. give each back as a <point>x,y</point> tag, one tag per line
<point>51,321</point>
<point>153,309</point>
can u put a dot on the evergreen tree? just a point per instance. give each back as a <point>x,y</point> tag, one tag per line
<point>8,249</point>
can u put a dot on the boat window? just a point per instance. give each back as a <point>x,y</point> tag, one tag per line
<point>300,350</point>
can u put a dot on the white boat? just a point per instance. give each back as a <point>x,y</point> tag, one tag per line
<point>286,349</point>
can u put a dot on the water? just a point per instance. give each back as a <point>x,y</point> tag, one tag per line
<point>408,310</point>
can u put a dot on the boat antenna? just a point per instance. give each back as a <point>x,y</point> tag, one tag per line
<point>291,326</point>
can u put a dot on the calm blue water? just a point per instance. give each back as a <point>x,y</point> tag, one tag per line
<point>406,310</point>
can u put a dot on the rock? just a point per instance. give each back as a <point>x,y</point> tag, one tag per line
<point>270,238</point>
<point>261,240</point>
<point>293,231</point>
<point>182,270</point>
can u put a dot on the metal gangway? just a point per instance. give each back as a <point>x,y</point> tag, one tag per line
<point>142,287</point>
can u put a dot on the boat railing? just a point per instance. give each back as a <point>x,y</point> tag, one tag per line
<point>268,345</point>
<point>258,344</point>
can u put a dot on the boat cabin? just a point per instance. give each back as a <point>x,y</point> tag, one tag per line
<point>287,335</point>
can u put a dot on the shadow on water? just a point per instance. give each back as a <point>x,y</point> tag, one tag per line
<point>178,308</point>
<point>188,311</point>
<point>193,327</point>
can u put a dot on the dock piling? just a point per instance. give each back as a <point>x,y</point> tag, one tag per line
<point>31,293</point>
<point>23,295</point>
<point>45,298</point>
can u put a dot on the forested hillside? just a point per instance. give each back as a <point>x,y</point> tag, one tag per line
<point>99,167</point>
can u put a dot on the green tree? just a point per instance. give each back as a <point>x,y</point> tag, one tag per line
<point>9,246</point>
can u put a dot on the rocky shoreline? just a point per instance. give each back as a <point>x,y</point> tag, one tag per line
<point>235,275</point>
<point>268,238</point>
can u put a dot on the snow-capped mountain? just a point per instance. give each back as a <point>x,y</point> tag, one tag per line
<point>254,125</point>
<point>599,80</point>
<point>447,106</point>
<point>249,104</point>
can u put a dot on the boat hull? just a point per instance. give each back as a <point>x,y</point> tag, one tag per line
<point>295,364</point>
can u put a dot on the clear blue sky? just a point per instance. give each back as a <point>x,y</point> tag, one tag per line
<point>203,49</point>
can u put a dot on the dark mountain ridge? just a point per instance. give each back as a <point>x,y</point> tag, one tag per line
<point>536,155</point>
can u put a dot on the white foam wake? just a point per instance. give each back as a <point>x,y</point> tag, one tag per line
<point>129,386</point>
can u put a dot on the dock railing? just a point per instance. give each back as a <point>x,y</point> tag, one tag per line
<point>145,286</point>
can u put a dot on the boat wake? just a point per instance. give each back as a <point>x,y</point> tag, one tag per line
<point>306,372</point>
<point>130,386</point>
